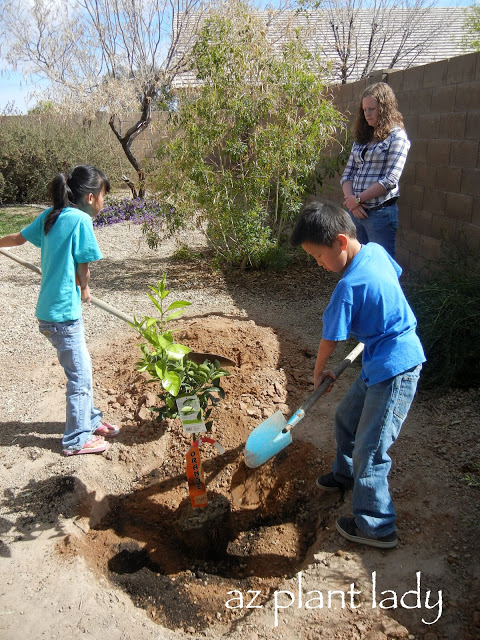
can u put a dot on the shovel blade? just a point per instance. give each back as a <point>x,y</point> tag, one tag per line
<point>266,440</point>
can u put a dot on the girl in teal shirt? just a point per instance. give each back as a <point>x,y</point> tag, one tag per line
<point>64,233</point>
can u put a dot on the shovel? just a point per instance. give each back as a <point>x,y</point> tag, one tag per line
<point>274,434</point>
<point>194,356</point>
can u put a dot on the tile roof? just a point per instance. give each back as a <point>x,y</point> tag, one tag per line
<point>432,34</point>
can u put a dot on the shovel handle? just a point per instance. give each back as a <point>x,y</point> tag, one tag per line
<point>32,267</point>
<point>96,301</point>
<point>194,355</point>
<point>320,390</point>
<point>109,309</point>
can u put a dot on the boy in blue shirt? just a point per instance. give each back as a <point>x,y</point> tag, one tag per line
<point>367,303</point>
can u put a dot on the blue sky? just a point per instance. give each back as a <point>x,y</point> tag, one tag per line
<point>15,89</point>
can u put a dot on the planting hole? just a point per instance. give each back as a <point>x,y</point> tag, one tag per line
<point>179,563</point>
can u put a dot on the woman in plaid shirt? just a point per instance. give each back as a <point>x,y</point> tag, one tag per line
<point>371,177</point>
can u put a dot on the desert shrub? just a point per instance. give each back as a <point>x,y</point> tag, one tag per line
<point>35,148</point>
<point>446,301</point>
<point>244,148</point>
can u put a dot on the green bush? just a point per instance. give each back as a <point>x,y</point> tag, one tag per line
<point>245,145</point>
<point>446,302</point>
<point>33,149</point>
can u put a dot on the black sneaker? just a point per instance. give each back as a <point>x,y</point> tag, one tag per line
<point>348,529</point>
<point>328,483</point>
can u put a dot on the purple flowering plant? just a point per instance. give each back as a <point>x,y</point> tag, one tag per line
<point>157,218</point>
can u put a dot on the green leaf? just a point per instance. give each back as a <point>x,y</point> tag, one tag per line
<point>165,341</point>
<point>171,383</point>
<point>160,371</point>
<point>155,302</point>
<point>177,305</point>
<point>175,314</point>
<point>177,351</point>
<point>219,374</point>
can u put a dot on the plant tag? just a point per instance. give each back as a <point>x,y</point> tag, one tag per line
<point>196,481</point>
<point>190,414</point>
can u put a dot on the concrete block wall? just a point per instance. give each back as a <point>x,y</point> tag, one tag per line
<point>440,186</point>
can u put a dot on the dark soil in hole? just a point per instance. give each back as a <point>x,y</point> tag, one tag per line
<point>137,544</point>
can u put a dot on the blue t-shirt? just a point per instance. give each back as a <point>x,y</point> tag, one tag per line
<point>69,242</point>
<point>369,304</point>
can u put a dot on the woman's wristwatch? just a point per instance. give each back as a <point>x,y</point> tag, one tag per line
<point>357,200</point>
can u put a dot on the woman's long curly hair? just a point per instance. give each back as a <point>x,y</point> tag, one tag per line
<point>388,114</point>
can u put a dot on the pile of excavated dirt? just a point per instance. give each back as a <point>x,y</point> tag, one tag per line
<point>274,512</point>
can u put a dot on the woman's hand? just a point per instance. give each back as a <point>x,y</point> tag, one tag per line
<point>352,205</point>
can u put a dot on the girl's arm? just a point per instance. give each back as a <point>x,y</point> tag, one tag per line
<point>12,240</point>
<point>83,278</point>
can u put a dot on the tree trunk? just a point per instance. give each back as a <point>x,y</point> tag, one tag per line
<point>128,138</point>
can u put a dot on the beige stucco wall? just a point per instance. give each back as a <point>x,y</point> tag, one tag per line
<point>440,186</point>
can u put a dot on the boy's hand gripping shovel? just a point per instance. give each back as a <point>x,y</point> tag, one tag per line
<point>273,435</point>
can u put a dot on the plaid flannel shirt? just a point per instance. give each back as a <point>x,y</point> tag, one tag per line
<point>381,162</point>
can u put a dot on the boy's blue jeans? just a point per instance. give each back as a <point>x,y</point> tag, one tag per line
<point>380,227</point>
<point>82,418</point>
<point>367,422</point>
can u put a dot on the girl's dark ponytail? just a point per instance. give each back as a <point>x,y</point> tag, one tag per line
<point>60,195</point>
<point>68,190</point>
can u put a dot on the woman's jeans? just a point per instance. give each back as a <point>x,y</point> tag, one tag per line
<point>82,418</point>
<point>380,227</point>
<point>367,422</point>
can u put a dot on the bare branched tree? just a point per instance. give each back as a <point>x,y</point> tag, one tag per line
<point>113,56</point>
<point>359,36</point>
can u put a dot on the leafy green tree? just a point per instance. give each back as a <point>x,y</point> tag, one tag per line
<point>245,145</point>
<point>471,39</point>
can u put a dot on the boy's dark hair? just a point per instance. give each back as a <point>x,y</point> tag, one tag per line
<point>66,190</point>
<point>321,223</point>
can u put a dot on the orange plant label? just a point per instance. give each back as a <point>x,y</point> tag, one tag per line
<point>195,478</point>
<point>196,481</point>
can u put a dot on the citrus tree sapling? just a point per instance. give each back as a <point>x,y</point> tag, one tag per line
<point>167,362</point>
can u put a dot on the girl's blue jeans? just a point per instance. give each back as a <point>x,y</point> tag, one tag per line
<point>82,418</point>
<point>367,422</point>
<point>380,227</point>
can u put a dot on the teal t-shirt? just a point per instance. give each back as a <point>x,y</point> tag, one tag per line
<point>368,303</point>
<point>69,242</point>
